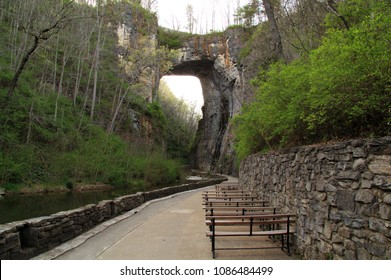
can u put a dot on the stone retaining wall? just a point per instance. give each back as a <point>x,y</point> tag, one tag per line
<point>340,192</point>
<point>29,238</point>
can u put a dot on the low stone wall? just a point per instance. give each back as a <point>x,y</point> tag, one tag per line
<point>340,192</point>
<point>29,238</point>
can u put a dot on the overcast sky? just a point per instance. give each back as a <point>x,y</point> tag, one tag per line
<point>209,14</point>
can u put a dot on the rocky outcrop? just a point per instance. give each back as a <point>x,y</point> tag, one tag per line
<point>214,60</point>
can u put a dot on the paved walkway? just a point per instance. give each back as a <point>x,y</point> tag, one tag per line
<point>172,228</point>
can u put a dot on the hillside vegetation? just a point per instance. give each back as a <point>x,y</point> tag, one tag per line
<point>338,88</point>
<point>74,104</point>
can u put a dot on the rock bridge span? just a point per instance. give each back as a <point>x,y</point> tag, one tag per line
<point>213,60</point>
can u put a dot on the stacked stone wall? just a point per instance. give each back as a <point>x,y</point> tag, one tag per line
<point>340,192</point>
<point>29,238</point>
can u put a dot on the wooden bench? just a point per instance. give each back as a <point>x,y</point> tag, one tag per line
<point>230,197</point>
<point>226,194</point>
<point>238,211</point>
<point>227,187</point>
<point>271,225</point>
<point>234,202</point>
<point>225,191</point>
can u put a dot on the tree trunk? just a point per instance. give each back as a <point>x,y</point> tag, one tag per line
<point>276,36</point>
<point>30,123</point>
<point>86,96</point>
<point>79,74</point>
<point>59,91</point>
<point>55,65</point>
<point>96,68</point>
<point>118,107</point>
<point>22,65</point>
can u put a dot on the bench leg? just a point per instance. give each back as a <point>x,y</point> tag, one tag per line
<point>213,247</point>
<point>213,238</point>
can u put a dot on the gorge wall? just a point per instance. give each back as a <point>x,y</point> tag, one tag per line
<point>341,194</point>
<point>214,60</point>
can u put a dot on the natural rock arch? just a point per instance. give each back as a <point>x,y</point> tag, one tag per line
<point>213,59</point>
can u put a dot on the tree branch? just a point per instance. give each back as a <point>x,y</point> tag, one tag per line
<point>331,7</point>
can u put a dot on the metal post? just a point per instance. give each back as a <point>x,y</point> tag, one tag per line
<point>287,238</point>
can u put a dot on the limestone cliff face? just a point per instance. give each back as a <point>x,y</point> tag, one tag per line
<point>136,49</point>
<point>214,60</point>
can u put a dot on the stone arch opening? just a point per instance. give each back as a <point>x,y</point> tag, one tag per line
<point>188,88</point>
<point>209,151</point>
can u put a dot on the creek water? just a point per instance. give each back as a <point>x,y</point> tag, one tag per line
<point>21,207</point>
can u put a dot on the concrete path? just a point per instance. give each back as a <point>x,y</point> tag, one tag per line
<point>171,228</point>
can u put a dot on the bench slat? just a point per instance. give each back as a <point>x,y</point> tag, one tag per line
<point>246,233</point>
<point>232,199</point>
<point>234,202</point>
<point>254,216</point>
<point>218,207</point>
<point>240,214</point>
<point>234,223</point>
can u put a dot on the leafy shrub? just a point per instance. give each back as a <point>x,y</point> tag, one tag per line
<point>69,185</point>
<point>342,89</point>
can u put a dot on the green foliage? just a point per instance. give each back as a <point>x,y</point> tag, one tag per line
<point>46,134</point>
<point>174,40</point>
<point>170,38</point>
<point>342,89</point>
<point>69,185</point>
<point>181,124</point>
<point>257,33</point>
<point>158,118</point>
<point>58,153</point>
<point>159,171</point>
<point>273,118</point>
<point>249,13</point>
<point>145,20</point>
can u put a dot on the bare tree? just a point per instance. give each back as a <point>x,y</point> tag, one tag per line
<point>45,22</point>
<point>150,4</point>
<point>118,106</point>
<point>275,33</point>
<point>176,25</point>
<point>96,70</point>
<point>213,17</point>
<point>191,21</point>
<point>301,26</point>
<point>227,15</point>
